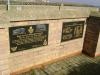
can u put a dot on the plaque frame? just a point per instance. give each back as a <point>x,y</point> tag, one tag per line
<point>35,35</point>
<point>71,24</point>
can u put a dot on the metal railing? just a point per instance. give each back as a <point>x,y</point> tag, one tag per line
<point>22,2</point>
<point>41,2</point>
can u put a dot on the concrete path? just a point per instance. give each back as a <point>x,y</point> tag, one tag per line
<point>77,65</point>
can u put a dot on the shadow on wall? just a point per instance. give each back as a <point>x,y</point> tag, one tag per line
<point>86,69</point>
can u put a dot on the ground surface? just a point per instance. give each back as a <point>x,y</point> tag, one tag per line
<point>77,65</point>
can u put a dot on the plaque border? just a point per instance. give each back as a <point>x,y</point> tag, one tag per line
<point>62,41</point>
<point>47,26</point>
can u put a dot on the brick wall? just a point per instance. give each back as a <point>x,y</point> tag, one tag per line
<point>55,49</point>
<point>98,46</point>
<point>12,62</point>
<point>4,52</point>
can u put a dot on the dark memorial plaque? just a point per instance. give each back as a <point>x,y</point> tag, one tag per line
<point>72,30</point>
<point>27,37</point>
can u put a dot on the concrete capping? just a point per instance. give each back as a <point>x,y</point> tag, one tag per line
<point>21,13</point>
<point>45,63</point>
<point>95,14</point>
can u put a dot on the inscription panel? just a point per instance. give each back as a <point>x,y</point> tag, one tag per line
<point>27,37</point>
<point>72,30</point>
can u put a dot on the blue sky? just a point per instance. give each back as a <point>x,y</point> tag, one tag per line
<point>90,2</point>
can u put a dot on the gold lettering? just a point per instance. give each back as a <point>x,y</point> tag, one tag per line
<point>29,38</point>
<point>67,30</point>
<point>65,37</point>
<point>78,31</point>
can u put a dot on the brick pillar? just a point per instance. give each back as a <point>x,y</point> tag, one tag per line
<point>4,52</point>
<point>92,36</point>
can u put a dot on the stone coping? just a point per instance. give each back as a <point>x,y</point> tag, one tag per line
<point>95,14</point>
<point>39,12</point>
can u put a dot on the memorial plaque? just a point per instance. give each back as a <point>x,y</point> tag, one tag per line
<point>27,37</point>
<point>72,30</point>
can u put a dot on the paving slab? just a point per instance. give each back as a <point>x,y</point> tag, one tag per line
<point>76,65</point>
